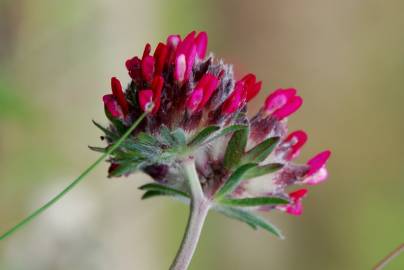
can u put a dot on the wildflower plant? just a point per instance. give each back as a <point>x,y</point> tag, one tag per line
<point>182,120</point>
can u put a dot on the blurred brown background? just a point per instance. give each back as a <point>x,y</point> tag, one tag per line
<point>346,58</point>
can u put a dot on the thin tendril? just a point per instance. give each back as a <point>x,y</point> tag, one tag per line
<point>74,183</point>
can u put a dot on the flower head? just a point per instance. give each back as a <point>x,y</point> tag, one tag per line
<point>199,113</point>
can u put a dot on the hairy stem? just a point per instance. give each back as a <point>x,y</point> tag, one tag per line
<point>74,183</point>
<point>198,211</point>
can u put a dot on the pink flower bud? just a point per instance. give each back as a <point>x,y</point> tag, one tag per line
<point>317,172</point>
<point>201,42</point>
<point>185,46</point>
<point>133,66</point>
<point>146,51</point>
<point>294,142</point>
<point>251,86</point>
<point>295,207</point>
<point>145,98</point>
<point>180,68</point>
<point>282,103</point>
<point>172,43</point>
<point>278,99</point>
<point>119,95</point>
<point>147,67</point>
<point>320,176</point>
<point>209,83</point>
<point>194,99</point>
<point>318,161</point>
<point>111,105</point>
<point>160,56</point>
<point>235,101</point>
<point>190,59</point>
<point>292,106</point>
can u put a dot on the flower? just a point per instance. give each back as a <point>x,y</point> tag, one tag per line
<point>199,112</point>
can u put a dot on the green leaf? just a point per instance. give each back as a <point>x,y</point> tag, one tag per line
<point>107,132</point>
<point>250,202</point>
<point>179,136</point>
<point>261,151</point>
<point>203,135</point>
<point>164,189</point>
<point>262,170</point>
<point>235,148</point>
<point>234,180</point>
<point>252,219</point>
<point>225,131</point>
<point>154,193</point>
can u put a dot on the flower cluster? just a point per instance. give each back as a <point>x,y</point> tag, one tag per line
<point>198,111</point>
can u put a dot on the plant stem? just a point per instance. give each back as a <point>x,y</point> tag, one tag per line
<point>75,182</point>
<point>389,257</point>
<point>198,211</point>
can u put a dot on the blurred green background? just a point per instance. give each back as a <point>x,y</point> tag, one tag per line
<point>56,58</point>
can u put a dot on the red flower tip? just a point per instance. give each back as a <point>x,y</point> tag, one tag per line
<point>172,44</point>
<point>201,42</point>
<point>173,41</point>
<point>147,67</point>
<point>133,67</point>
<point>180,68</point>
<point>111,105</point>
<point>185,46</point>
<point>252,87</point>
<point>190,60</point>
<point>295,141</point>
<point>116,87</point>
<point>209,83</point>
<point>145,99</point>
<point>236,99</point>
<point>147,50</point>
<point>157,87</point>
<point>295,207</point>
<point>194,99</point>
<point>160,56</point>
<point>202,92</point>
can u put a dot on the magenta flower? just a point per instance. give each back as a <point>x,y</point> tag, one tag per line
<point>199,145</point>
<point>182,120</point>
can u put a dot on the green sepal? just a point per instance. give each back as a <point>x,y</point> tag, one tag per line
<point>253,220</point>
<point>115,121</point>
<point>112,136</point>
<point>251,202</point>
<point>234,180</point>
<point>179,136</point>
<point>224,132</point>
<point>145,138</point>
<point>261,151</point>
<point>166,136</point>
<point>125,168</point>
<point>163,189</point>
<point>203,135</point>
<point>235,148</point>
<point>262,170</point>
